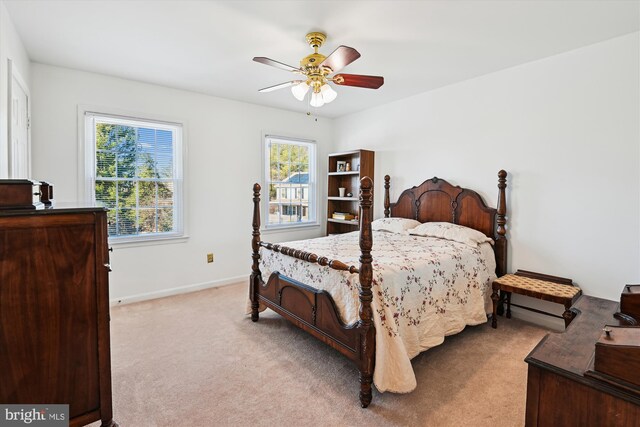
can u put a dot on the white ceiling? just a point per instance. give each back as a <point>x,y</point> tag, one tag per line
<point>207,46</point>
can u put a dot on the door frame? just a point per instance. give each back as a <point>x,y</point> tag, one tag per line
<point>14,74</point>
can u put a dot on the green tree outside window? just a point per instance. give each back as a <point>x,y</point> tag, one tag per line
<point>135,178</point>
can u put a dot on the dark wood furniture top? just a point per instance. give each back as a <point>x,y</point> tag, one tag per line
<point>559,390</point>
<point>315,312</point>
<point>535,285</point>
<point>54,311</point>
<point>64,208</point>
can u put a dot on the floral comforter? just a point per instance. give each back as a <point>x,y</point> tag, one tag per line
<point>423,290</point>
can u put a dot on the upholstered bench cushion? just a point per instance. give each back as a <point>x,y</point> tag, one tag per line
<point>539,286</point>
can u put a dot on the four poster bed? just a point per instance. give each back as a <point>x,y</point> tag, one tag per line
<point>415,291</point>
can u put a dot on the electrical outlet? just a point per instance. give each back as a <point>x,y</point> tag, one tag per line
<point>209,258</point>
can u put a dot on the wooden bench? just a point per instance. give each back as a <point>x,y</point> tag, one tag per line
<point>536,285</point>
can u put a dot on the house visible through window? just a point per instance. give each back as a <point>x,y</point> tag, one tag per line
<point>137,175</point>
<point>291,181</point>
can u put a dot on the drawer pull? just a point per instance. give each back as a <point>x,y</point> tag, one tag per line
<point>108,266</point>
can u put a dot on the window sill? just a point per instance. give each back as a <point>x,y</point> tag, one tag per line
<point>288,228</point>
<point>146,241</point>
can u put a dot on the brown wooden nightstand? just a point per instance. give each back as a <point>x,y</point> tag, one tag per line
<point>536,285</point>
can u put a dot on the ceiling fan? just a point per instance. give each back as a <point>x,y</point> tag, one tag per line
<point>316,68</point>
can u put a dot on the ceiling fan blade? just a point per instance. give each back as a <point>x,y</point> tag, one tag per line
<point>358,80</point>
<point>280,86</point>
<point>273,63</point>
<point>340,58</point>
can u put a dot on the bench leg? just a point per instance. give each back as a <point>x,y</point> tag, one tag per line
<point>568,315</point>
<point>501,304</point>
<point>508,305</point>
<point>495,298</point>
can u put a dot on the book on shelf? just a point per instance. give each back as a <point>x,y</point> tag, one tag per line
<point>343,216</point>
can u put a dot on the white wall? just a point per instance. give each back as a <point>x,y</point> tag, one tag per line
<point>10,48</point>
<point>566,128</point>
<point>223,139</point>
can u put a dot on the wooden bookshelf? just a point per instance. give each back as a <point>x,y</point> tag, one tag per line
<point>360,164</point>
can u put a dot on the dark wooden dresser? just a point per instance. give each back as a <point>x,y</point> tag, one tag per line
<point>54,311</point>
<point>558,391</point>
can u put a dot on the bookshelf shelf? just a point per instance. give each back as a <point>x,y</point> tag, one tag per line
<point>343,221</point>
<point>349,199</point>
<point>344,173</point>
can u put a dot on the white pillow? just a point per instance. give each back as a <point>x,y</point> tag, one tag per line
<point>394,225</point>
<point>449,231</point>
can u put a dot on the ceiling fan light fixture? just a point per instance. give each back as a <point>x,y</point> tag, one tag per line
<point>300,90</point>
<point>328,94</point>
<point>316,100</point>
<point>316,69</point>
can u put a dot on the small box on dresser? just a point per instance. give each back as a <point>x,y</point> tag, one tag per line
<point>630,301</point>
<point>46,194</point>
<point>617,354</point>
<point>20,194</point>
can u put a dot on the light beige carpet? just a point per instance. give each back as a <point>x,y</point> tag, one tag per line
<point>196,360</point>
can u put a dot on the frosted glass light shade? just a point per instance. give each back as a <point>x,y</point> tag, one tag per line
<point>328,94</point>
<point>300,90</point>
<point>316,99</point>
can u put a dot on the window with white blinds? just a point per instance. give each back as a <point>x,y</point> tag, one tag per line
<point>137,174</point>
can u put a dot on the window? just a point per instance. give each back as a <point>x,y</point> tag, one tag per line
<point>291,181</point>
<point>136,172</point>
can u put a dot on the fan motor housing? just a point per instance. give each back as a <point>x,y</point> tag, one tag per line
<point>312,60</point>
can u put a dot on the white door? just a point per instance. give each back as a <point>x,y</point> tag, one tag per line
<point>19,144</point>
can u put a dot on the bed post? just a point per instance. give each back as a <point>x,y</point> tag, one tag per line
<point>387,204</point>
<point>501,240</point>
<point>256,275</point>
<point>367,331</point>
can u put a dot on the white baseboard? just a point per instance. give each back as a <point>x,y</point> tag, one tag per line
<point>176,291</point>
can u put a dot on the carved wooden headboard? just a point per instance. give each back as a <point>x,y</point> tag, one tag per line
<point>437,200</point>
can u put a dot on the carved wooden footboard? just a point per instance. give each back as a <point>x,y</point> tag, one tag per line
<point>315,311</point>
